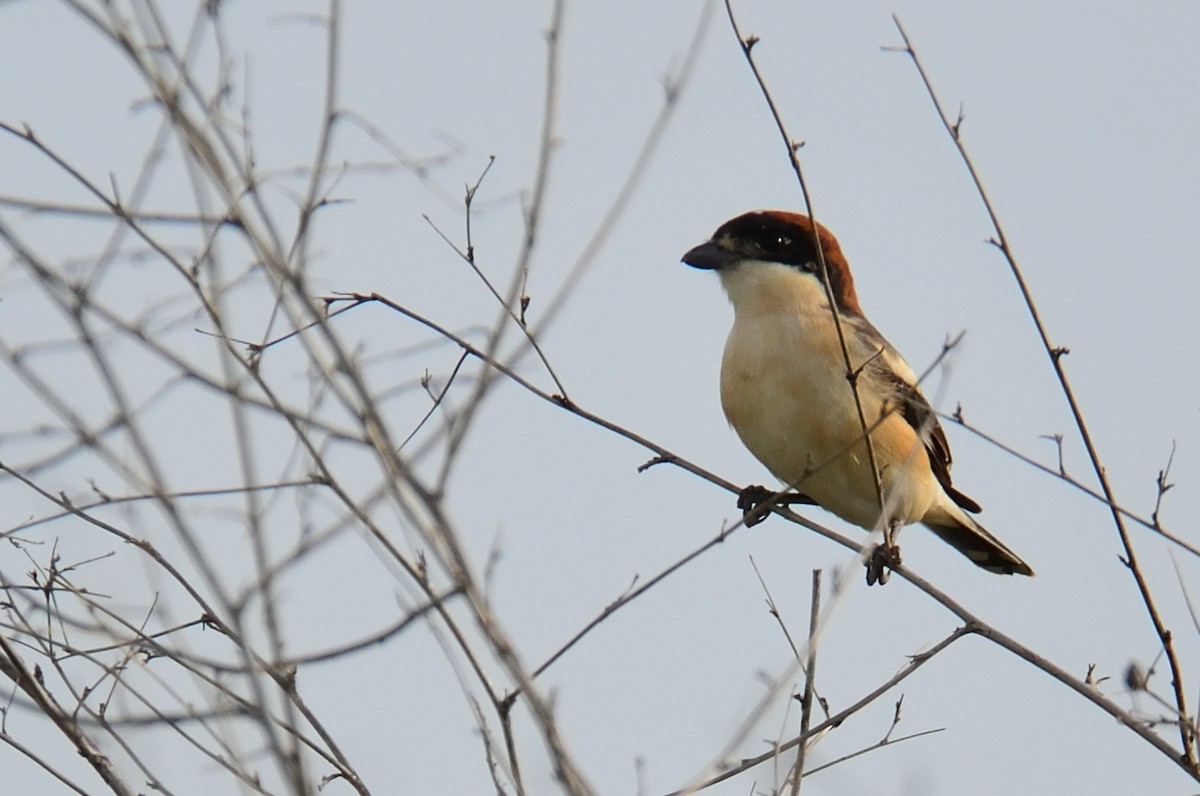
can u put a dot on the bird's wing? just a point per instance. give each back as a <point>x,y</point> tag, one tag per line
<point>889,368</point>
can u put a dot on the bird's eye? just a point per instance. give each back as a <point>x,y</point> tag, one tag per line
<point>773,244</point>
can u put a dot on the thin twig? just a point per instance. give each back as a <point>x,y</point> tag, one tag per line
<point>747,44</point>
<point>915,662</point>
<point>810,676</point>
<point>872,748</point>
<point>1055,354</point>
<point>1163,485</point>
<point>773,610</point>
<point>1149,524</point>
<point>468,257</point>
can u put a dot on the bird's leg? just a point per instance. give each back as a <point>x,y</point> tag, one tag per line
<point>751,501</point>
<point>885,556</point>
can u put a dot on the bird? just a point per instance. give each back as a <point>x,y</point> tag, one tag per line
<point>789,393</point>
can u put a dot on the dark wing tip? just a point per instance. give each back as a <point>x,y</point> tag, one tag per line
<point>963,501</point>
<point>983,549</point>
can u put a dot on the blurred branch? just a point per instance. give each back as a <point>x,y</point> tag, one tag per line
<point>31,683</point>
<point>42,207</point>
<point>515,295</point>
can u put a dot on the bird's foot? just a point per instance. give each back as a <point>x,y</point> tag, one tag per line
<point>884,557</point>
<point>756,501</point>
<point>750,501</point>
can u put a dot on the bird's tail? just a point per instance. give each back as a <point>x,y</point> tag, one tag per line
<point>973,541</point>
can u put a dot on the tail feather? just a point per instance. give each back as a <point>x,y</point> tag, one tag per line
<point>973,541</point>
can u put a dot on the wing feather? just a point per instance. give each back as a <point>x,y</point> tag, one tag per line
<point>889,368</point>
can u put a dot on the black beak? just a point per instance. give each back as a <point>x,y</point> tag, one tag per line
<point>709,256</point>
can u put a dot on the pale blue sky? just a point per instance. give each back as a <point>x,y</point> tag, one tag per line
<point>1083,120</point>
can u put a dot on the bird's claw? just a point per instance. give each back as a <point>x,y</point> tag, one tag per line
<point>884,557</point>
<point>750,501</point>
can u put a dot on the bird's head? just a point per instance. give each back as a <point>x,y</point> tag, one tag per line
<point>769,255</point>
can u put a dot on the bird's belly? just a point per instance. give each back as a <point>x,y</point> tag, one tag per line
<point>784,391</point>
